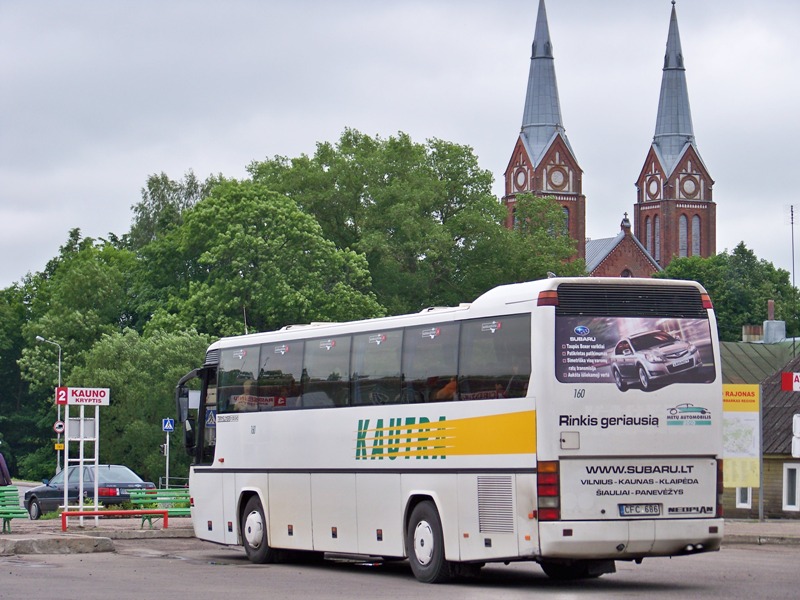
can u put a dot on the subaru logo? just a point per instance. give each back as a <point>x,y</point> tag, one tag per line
<point>582,330</point>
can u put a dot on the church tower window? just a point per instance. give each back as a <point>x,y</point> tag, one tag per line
<point>683,236</point>
<point>696,235</point>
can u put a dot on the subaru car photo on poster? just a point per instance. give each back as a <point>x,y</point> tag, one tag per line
<point>644,353</point>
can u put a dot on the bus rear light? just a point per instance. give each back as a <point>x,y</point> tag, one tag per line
<point>707,304</point>
<point>548,491</point>
<point>548,298</point>
<point>547,479</point>
<point>549,514</point>
<point>720,484</point>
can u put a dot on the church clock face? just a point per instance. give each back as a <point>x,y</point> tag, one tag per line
<point>520,178</point>
<point>557,178</point>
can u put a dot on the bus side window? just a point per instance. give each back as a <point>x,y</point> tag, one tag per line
<point>280,378</point>
<point>495,358</point>
<point>430,359</point>
<point>237,375</point>
<point>326,372</point>
<point>376,367</point>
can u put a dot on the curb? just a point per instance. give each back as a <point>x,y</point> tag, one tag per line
<point>759,540</point>
<point>56,544</point>
<point>85,542</point>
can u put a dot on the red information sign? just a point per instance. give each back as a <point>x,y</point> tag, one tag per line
<point>790,382</point>
<point>61,395</point>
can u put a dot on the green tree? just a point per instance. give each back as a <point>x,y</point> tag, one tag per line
<point>540,242</point>
<point>141,372</point>
<point>250,259</point>
<point>423,215</point>
<point>740,286</point>
<point>14,420</point>
<point>81,295</point>
<point>163,203</point>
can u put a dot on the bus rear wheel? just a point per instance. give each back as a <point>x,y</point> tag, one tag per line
<point>425,544</point>
<point>254,533</point>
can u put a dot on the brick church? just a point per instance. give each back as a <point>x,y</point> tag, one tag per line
<point>674,214</point>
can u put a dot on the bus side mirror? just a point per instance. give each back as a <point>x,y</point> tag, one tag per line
<point>188,435</point>
<point>182,401</point>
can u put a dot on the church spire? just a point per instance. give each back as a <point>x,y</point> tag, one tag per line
<point>674,123</point>
<point>541,119</point>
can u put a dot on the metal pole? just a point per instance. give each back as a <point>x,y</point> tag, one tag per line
<point>761,453</point>
<point>794,289</point>
<point>166,454</point>
<point>58,406</point>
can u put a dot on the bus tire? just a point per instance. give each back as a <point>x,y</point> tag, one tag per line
<point>425,544</point>
<point>254,533</point>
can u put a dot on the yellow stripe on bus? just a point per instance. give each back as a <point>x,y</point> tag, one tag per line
<point>508,433</point>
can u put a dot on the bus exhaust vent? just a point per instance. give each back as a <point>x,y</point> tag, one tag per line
<point>212,357</point>
<point>608,300</point>
<point>495,504</point>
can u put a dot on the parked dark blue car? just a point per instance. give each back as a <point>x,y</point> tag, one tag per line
<point>113,483</point>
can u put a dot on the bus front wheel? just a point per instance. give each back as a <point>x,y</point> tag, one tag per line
<point>425,544</point>
<point>254,533</point>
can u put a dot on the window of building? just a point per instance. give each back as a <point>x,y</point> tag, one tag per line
<point>683,236</point>
<point>648,235</point>
<point>791,499</point>
<point>657,236</point>
<point>744,497</point>
<point>696,235</point>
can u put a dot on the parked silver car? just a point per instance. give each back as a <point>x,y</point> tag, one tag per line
<point>649,356</point>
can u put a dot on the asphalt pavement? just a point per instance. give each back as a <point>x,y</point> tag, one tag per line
<point>45,536</point>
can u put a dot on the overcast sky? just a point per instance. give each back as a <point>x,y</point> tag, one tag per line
<point>97,95</point>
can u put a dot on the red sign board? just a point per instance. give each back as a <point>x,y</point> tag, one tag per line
<point>790,382</point>
<point>61,395</point>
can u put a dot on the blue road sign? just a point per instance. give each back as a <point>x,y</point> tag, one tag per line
<point>168,425</point>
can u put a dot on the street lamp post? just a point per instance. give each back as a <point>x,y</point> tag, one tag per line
<point>58,406</point>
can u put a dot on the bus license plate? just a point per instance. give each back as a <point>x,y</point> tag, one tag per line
<point>639,510</point>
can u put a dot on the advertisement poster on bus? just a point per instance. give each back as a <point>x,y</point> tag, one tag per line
<point>644,353</point>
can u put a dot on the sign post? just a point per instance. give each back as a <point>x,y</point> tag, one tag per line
<point>82,430</point>
<point>168,426</point>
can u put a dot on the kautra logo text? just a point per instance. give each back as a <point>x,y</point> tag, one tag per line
<point>400,438</point>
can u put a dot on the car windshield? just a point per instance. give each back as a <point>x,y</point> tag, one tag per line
<point>652,339</point>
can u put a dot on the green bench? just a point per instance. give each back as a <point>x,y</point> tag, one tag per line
<point>174,500</point>
<point>10,506</point>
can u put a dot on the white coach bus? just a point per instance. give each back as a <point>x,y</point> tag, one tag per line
<point>572,422</point>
